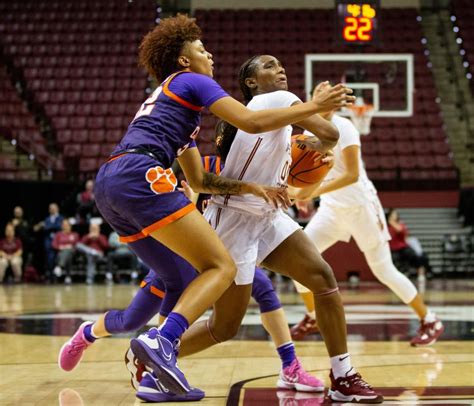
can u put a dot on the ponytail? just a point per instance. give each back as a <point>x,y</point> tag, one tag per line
<point>225,135</point>
<point>225,132</point>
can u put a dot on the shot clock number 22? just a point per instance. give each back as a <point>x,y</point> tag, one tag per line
<point>357,22</point>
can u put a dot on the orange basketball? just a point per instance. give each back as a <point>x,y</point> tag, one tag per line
<point>306,166</point>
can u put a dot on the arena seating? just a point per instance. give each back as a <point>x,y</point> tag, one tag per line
<point>17,123</point>
<point>416,152</point>
<point>79,60</point>
<point>462,9</point>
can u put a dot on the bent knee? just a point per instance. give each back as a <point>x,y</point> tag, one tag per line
<point>224,332</point>
<point>226,267</point>
<point>319,278</point>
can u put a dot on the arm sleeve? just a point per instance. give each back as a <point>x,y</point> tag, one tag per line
<point>203,90</point>
<point>280,98</point>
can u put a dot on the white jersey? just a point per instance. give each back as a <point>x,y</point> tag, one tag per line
<point>263,158</point>
<point>358,193</point>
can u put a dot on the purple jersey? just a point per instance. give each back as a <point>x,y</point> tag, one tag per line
<point>168,121</point>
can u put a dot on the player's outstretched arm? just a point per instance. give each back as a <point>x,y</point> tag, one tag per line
<point>254,122</point>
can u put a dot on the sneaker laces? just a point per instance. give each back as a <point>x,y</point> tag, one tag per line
<point>357,380</point>
<point>77,347</point>
<point>423,327</point>
<point>293,368</point>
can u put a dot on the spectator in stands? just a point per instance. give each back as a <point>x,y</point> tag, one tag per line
<point>119,251</point>
<point>51,225</point>
<point>22,231</point>
<point>400,247</point>
<point>64,243</point>
<point>10,254</point>
<point>86,202</point>
<point>93,245</point>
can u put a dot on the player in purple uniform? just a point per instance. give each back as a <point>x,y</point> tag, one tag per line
<point>154,297</point>
<point>136,189</point>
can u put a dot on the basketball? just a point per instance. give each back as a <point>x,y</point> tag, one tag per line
<point>306,165</point>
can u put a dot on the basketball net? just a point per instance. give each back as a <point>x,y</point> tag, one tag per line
<point>361,115</point>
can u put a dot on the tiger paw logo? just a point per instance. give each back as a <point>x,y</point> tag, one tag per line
<point>161,180</point>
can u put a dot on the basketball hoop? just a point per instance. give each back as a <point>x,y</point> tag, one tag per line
<point>361,115</point>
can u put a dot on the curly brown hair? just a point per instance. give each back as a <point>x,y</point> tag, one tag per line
<point>161,47</point>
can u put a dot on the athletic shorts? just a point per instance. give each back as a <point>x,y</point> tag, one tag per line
<point>137,196</point>
<point>249,238</point>
<point>366,224</point>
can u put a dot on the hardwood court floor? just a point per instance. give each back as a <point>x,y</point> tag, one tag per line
<point>36,320</point>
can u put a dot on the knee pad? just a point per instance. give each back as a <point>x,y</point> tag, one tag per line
<point>264,293</point>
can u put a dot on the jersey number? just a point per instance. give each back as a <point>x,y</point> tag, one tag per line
<point>148,105</point>
<point>285,170</point>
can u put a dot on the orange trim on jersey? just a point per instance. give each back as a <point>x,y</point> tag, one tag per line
<point>143,284</point>
<point>207,163</point>
<point>218,165</point>
<point>115,157</point>
<point>159,224</point>
<point>157,292</point>
<point>176,98</point>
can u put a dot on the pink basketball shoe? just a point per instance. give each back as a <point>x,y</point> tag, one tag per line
<point>72,351</point>
<point>295,377</point>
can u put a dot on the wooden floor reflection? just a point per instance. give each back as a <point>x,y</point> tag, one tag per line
<point>36,320</point>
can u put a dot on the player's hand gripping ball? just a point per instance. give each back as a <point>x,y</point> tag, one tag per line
<point>307,167</point>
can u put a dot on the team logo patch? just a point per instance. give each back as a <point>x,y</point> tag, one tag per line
<point>161,180</point>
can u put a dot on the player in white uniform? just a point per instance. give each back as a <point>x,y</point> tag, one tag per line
<point>254,232</point>
<point>350,207</point>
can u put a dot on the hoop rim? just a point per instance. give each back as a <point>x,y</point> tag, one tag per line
<point>362,109</point>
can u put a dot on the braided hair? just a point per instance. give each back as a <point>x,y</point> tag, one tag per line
<point>225,132</point>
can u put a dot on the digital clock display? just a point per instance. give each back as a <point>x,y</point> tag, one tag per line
<point>357,21</point>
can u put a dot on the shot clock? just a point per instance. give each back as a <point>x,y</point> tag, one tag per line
<point>357,21</point>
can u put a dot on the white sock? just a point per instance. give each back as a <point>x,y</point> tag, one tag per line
<point>312,314</point>
<point>430,317</point>
<point>341,365</point>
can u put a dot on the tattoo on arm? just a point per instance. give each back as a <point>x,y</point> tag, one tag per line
<point>220,185</point>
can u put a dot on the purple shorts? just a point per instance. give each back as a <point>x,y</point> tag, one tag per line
<point>137,196</point>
